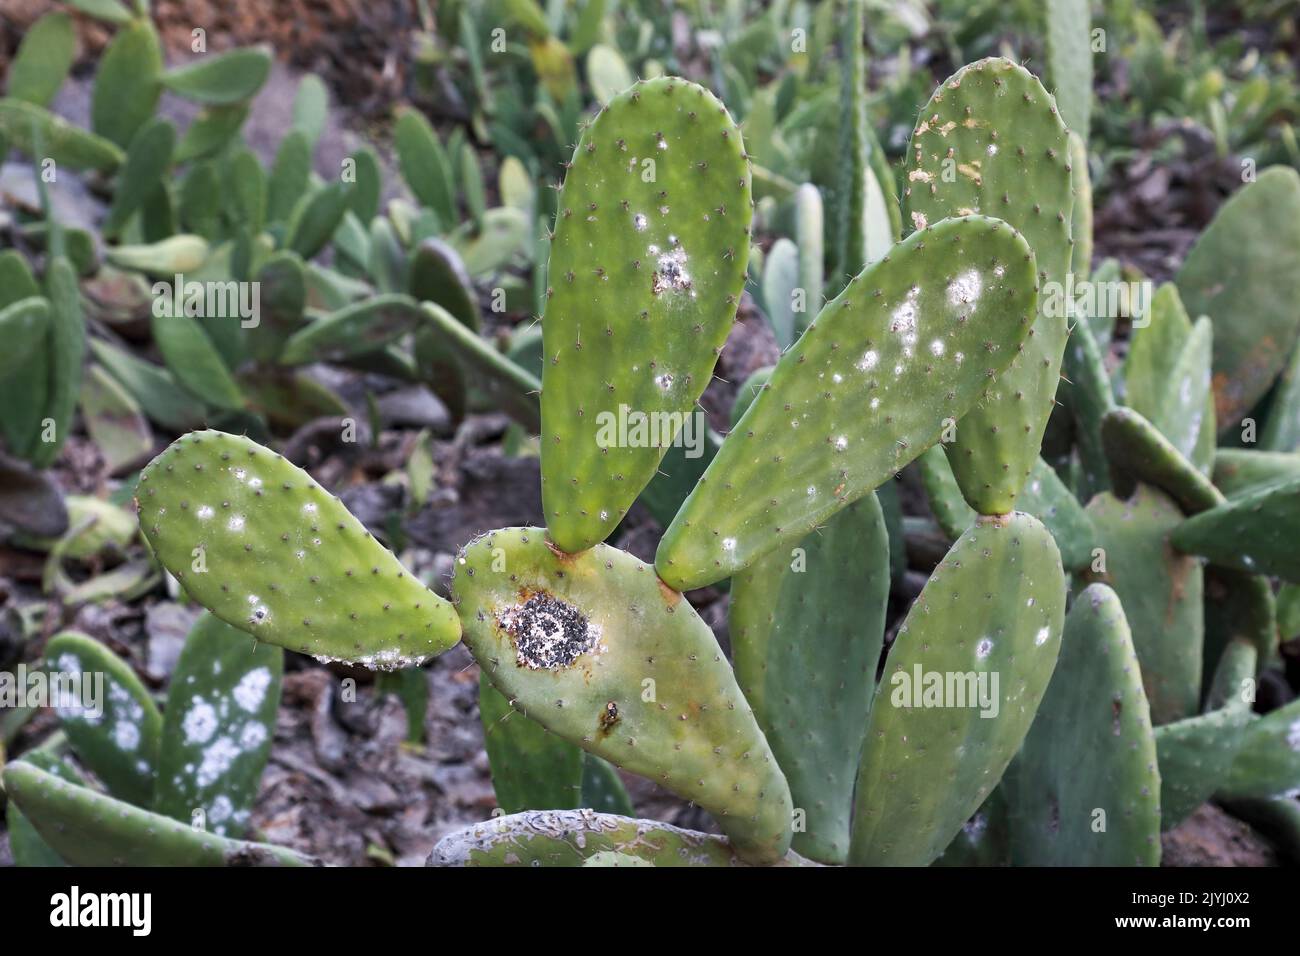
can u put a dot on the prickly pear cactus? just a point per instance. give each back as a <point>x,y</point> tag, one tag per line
<point>990,142</point>
<point>646,270</point>
<point>807,627</point>
<point>266,549</point>
<point>962,683</point>
<point>115,726</point>
<point>911,344</point>
<point>1087,790</point>
<point>595,648</point>
<point>217,727</point>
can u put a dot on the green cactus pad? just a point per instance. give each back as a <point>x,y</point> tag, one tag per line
<point>1195,756</point>
<point>1045,497</point>
<point>1069,58</point>
<point>86,828</point>
<point>1268,761</point>
<point>23,327</point>
<point>285,560</point>
<point>1190,399</point>
<point>180,253</point>
<point>806,632</point>
<point>218,726</point>
<point>1161,593</point>
<point>425,164</point>
<point>1091,749</point>
<point>353,330</point>
<point>532,768</point>
<point>223,78</point>
<point>850,222</point>
<point>67,341</point>
<point>595,648</point>
<point>602,788</point>
<point>1253,532</point>
<point>1139,452</point>
<point>510,388</point>
<point>25,843</point>
<point>127,86</point>
<point>645,274</point>
<point>570,838</point>
<point>44,57</point>
<point>810,236</point>
<point>1155,346</point>
<point>146,163</point>
<point>990,141</point>
<point>1240,471</point>
<point>911,344</point>
<point>1244,273</point>
<point>994,608</point>
<point>116,736</point>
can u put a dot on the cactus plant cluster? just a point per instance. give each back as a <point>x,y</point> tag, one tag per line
<point>1077,673</point>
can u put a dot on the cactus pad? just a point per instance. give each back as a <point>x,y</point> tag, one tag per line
<point>646,270</point>
<point>1139,452</point>
<point>283,559</point>
<point>1244,273</point>
<point>597,650</point>
<point>990,142</point>
<point>911,344</point>
<point>1254,532</point>
<point>1087,791</point>
<point>806,632</point>
<point>116,736</point>
<point>532,768</point>
<point>218,726</point>
<point>570,838</point>
<point>1161,593</point>
<point>942,731</point>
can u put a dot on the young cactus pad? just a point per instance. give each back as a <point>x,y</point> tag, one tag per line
<point>593,647</point>
<point>87,828</point>
<point>991,617</point>
<point>912,343</point>
<point>990,141</point>
<point>570,838</point>
<point>254,539</point>
<point>646,271</point>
